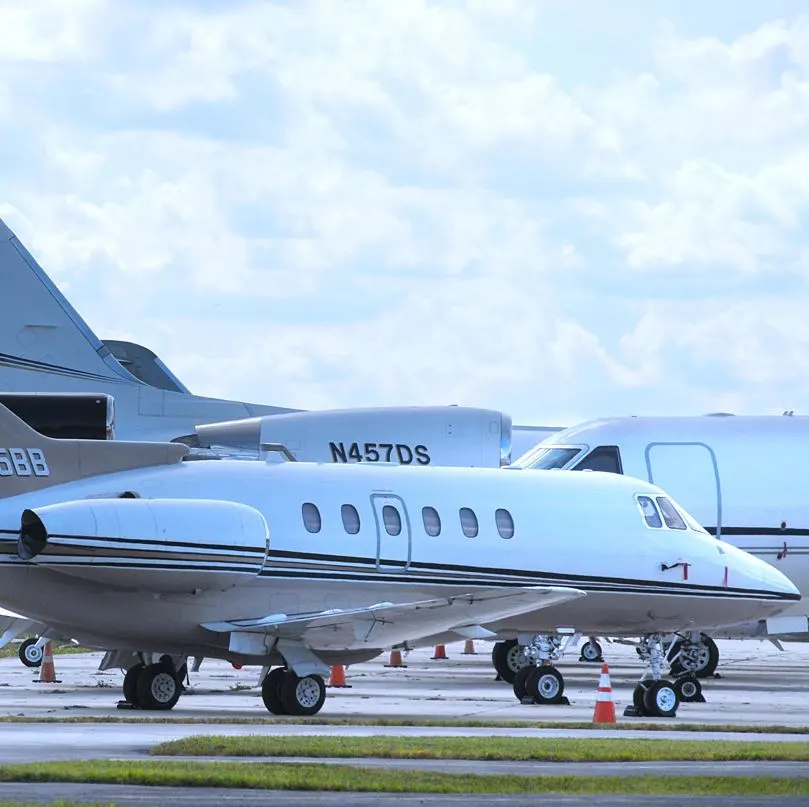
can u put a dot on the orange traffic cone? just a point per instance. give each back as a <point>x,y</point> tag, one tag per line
<point>440,653</point>
<point>47,672</point>
<point>338,677</point>
<point>605,707</point>
<point>469,648</point>
<point>396,659</point>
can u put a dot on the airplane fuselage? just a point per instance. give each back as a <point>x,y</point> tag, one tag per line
<point>345,537</point>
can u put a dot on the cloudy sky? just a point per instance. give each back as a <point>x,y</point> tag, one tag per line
<point>561,209</point>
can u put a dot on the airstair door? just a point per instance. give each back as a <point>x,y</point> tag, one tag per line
<point>689,472</point>
<point>393,533</point>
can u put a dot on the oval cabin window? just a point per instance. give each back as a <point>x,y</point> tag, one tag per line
<point>505,523</point>
<point>311,517</point>
<point>351,519</point>
<point>432,521</point>
<point>469,522</point>
<point>392,519</point>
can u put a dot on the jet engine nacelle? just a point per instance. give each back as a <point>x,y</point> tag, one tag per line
<point>155,544</point>
<point>429,435</point>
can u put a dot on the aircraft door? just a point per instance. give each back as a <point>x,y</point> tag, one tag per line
<point>690,473</point>
<point>393,532</point>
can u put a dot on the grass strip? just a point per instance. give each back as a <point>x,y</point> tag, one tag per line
<point>484,748</point>
<point>416,722</point>
<point>11,651</point>
<point>308,777</point>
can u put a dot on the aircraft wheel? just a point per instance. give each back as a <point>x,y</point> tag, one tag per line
<point>661,699</point>
<point>707,658</point>
<point>158,688</point>
<point>30,654</point>
<point>271,691</point>
<point>131,684</point>
<point>520,679</point>
<point>545,684</point>
<point>638,695</point>
<point>688,689</point>
<point>591,651</point>
<point>302,696</point>
<point>507,658</point>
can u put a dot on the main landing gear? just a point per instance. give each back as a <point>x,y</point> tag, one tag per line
<point>153,687</point>
<point>285,693</point>
<point>508,658</point>
<point>654,696</point>
<point>694,654</point>
<point>538,681</point>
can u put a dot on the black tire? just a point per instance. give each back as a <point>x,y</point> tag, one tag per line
<point>508,658</point>
<point>688,689</point>
<point>29,654</point>
<point>271,691</point>
<point>591,652</point>
<point>709,658</point>
<point>131,684</point>
<point>520,679</point>
<point>661,699</point>
<point>158,688</point>
<point>303,695</point>
<point>545,684</point>
<point>638,694</point>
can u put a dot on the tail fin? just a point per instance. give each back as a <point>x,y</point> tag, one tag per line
<point>145,365</point>
<point>42,337</point>
<point>30,462</point>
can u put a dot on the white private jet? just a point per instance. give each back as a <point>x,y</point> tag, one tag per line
<point>306,565</point>
<point>738,475</point>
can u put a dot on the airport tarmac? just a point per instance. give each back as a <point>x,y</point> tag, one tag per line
<point>759,685</point>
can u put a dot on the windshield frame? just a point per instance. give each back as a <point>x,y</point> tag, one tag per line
<point>527,460</point>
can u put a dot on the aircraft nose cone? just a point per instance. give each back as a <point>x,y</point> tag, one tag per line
<point>753,573</point>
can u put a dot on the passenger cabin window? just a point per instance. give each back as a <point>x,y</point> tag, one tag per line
<point>505,523</point>
<point>650,514</point>
<point>673,519</point>
<point>311,517</point>
<point>432,521</point>
<point>392,520</point>
<point>351,519</point>
<point>469,522</point>
<point>603,458</point>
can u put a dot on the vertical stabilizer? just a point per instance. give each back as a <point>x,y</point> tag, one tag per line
<point>40,332</point>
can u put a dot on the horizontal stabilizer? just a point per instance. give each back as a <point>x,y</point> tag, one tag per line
<point>384,624</point>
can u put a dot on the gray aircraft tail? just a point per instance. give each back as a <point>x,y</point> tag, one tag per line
<point>30,461</point>
<point>41,334</point>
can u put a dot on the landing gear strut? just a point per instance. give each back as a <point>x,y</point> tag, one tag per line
<point>653,696</point>
<point>538,681</point>
<point>285,693</point>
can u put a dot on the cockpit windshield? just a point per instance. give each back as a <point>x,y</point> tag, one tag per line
<point>547,458</point>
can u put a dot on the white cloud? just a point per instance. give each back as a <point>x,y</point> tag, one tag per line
<point>337,203</point>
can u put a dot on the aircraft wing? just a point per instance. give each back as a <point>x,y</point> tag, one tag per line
<point>13,626</point>
<point>385,624</point>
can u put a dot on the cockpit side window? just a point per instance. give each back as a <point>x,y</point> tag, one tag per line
<point>673,519</point>
<point>649,511</point>
<point>602,458</point>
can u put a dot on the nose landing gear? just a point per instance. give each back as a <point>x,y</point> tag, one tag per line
<point>653,696</point>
